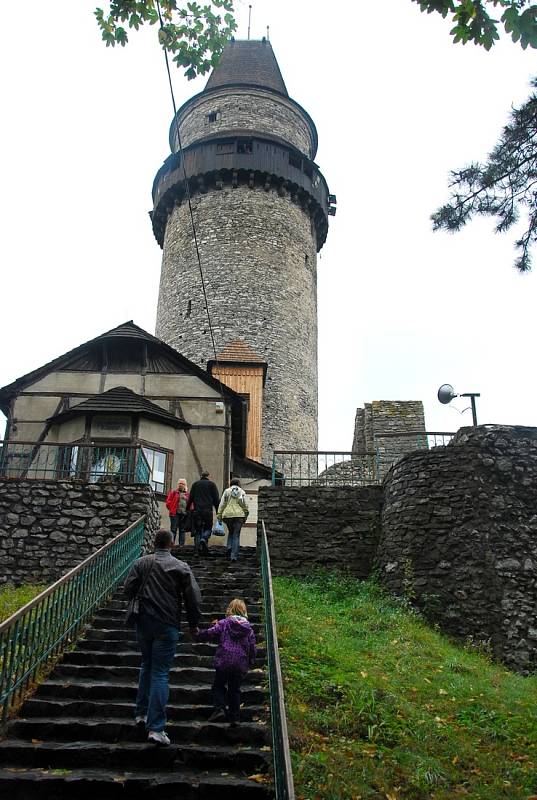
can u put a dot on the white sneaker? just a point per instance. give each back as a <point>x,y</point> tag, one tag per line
<point>159,738</point>
<point>140,720</point>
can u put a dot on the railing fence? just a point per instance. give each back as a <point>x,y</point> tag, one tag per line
<point>324,468</point>
<point>283,772</point>
<point>37,634</point>
<point>74,461</point>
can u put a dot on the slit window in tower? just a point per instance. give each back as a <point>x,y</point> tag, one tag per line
<point>295,160</point>
<point>212,116</point>
<point>189,308</point>
<point>225,148</point>
<point>244,146</point>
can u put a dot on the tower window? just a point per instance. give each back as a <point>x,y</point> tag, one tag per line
<point>295,160</point>
<point>189,308</point>
<point>245,146</point>
<point>212,116</point>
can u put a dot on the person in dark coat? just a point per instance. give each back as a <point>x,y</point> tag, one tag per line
<point>204,497</point>
<point>234,655</point>
<point>162,583</point>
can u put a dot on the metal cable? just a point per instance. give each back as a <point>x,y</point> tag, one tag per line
<point>189,200</point>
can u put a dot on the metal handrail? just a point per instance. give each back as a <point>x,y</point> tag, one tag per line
<point>39,632</point>
<point>283,772</point>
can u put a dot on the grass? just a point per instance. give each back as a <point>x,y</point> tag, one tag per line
<point>12,598</point>
<point>383,707</point>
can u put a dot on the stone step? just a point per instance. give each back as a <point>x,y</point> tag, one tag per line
<point>16,753</point>
<point>105,645</point>
<point>115,618</point>
<point>72,729</point>
<point>54,707</point>
<point>178,675</point>
<point>117,608</point>
<point>61,688</point>
<point>86,784</point>
<point>132,658</point>
<point>128,634</point>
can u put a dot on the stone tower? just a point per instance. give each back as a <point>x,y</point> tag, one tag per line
<point>261,208</point>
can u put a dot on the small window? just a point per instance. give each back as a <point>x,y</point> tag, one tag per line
<point>295,160</point>
<point>189,308</point>
<point>225,149</point>
<point>212,116</point>
<point>245,146</point>
<point>157,465</point>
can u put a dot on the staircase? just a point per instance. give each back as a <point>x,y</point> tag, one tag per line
<point>75,737</point>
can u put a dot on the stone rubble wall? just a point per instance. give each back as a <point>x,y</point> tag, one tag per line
<point>240,110</point>
<point>459,537</point>
<point>320,527</point>
<point>47,528</point>
<point>453,529</point>
<point>389,417</point>
<point>259,256</point>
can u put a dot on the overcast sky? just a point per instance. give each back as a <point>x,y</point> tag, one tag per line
<point>396,104</point>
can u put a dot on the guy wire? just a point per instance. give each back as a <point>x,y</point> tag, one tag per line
<point>188,196</point>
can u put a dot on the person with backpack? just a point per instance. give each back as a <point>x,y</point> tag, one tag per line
<point>233,510</point>
<point>204,497</point>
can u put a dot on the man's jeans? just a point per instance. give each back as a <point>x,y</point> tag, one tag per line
<point>234,525</point>
<point>203,526</point>
<point>157,642</point>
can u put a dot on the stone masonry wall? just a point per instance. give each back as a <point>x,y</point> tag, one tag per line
<point>312,527</point>
<point>389,417</point>
<point>47,528</point>
<point>258,251</point>
<point>245,110</point>
<point>459,533</point>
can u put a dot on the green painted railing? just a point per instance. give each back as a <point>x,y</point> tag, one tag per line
<point>74,461</point>
<point>36,635</point>
<point>324,468</point>
<point>283,772</point>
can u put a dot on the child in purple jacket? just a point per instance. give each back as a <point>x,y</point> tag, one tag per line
<point>234,656</point>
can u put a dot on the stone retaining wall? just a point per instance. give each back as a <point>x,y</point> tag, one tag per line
<point>46,528</point>
<point>459,534</point>
<point>310,527</point>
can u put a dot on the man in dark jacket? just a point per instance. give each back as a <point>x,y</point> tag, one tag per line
<point>203,498</point>
<point>162,583</point>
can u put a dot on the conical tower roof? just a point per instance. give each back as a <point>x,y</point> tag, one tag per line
<point>248,63</point>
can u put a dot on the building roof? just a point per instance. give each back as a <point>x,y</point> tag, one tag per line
<point>129,332</point>
<point>239,351</point>
<point>121,400</point>
<point>250,63</point>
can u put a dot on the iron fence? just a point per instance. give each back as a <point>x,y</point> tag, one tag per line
<point>324,468</point>
<point>37,634</point>
<point>283,772</point>
<point>74,462</point>
<point>417,440</point>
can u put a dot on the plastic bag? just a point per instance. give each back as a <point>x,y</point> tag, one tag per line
<point>218,529</point>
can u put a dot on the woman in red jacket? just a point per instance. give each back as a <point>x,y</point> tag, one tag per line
<point>176,503</point>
